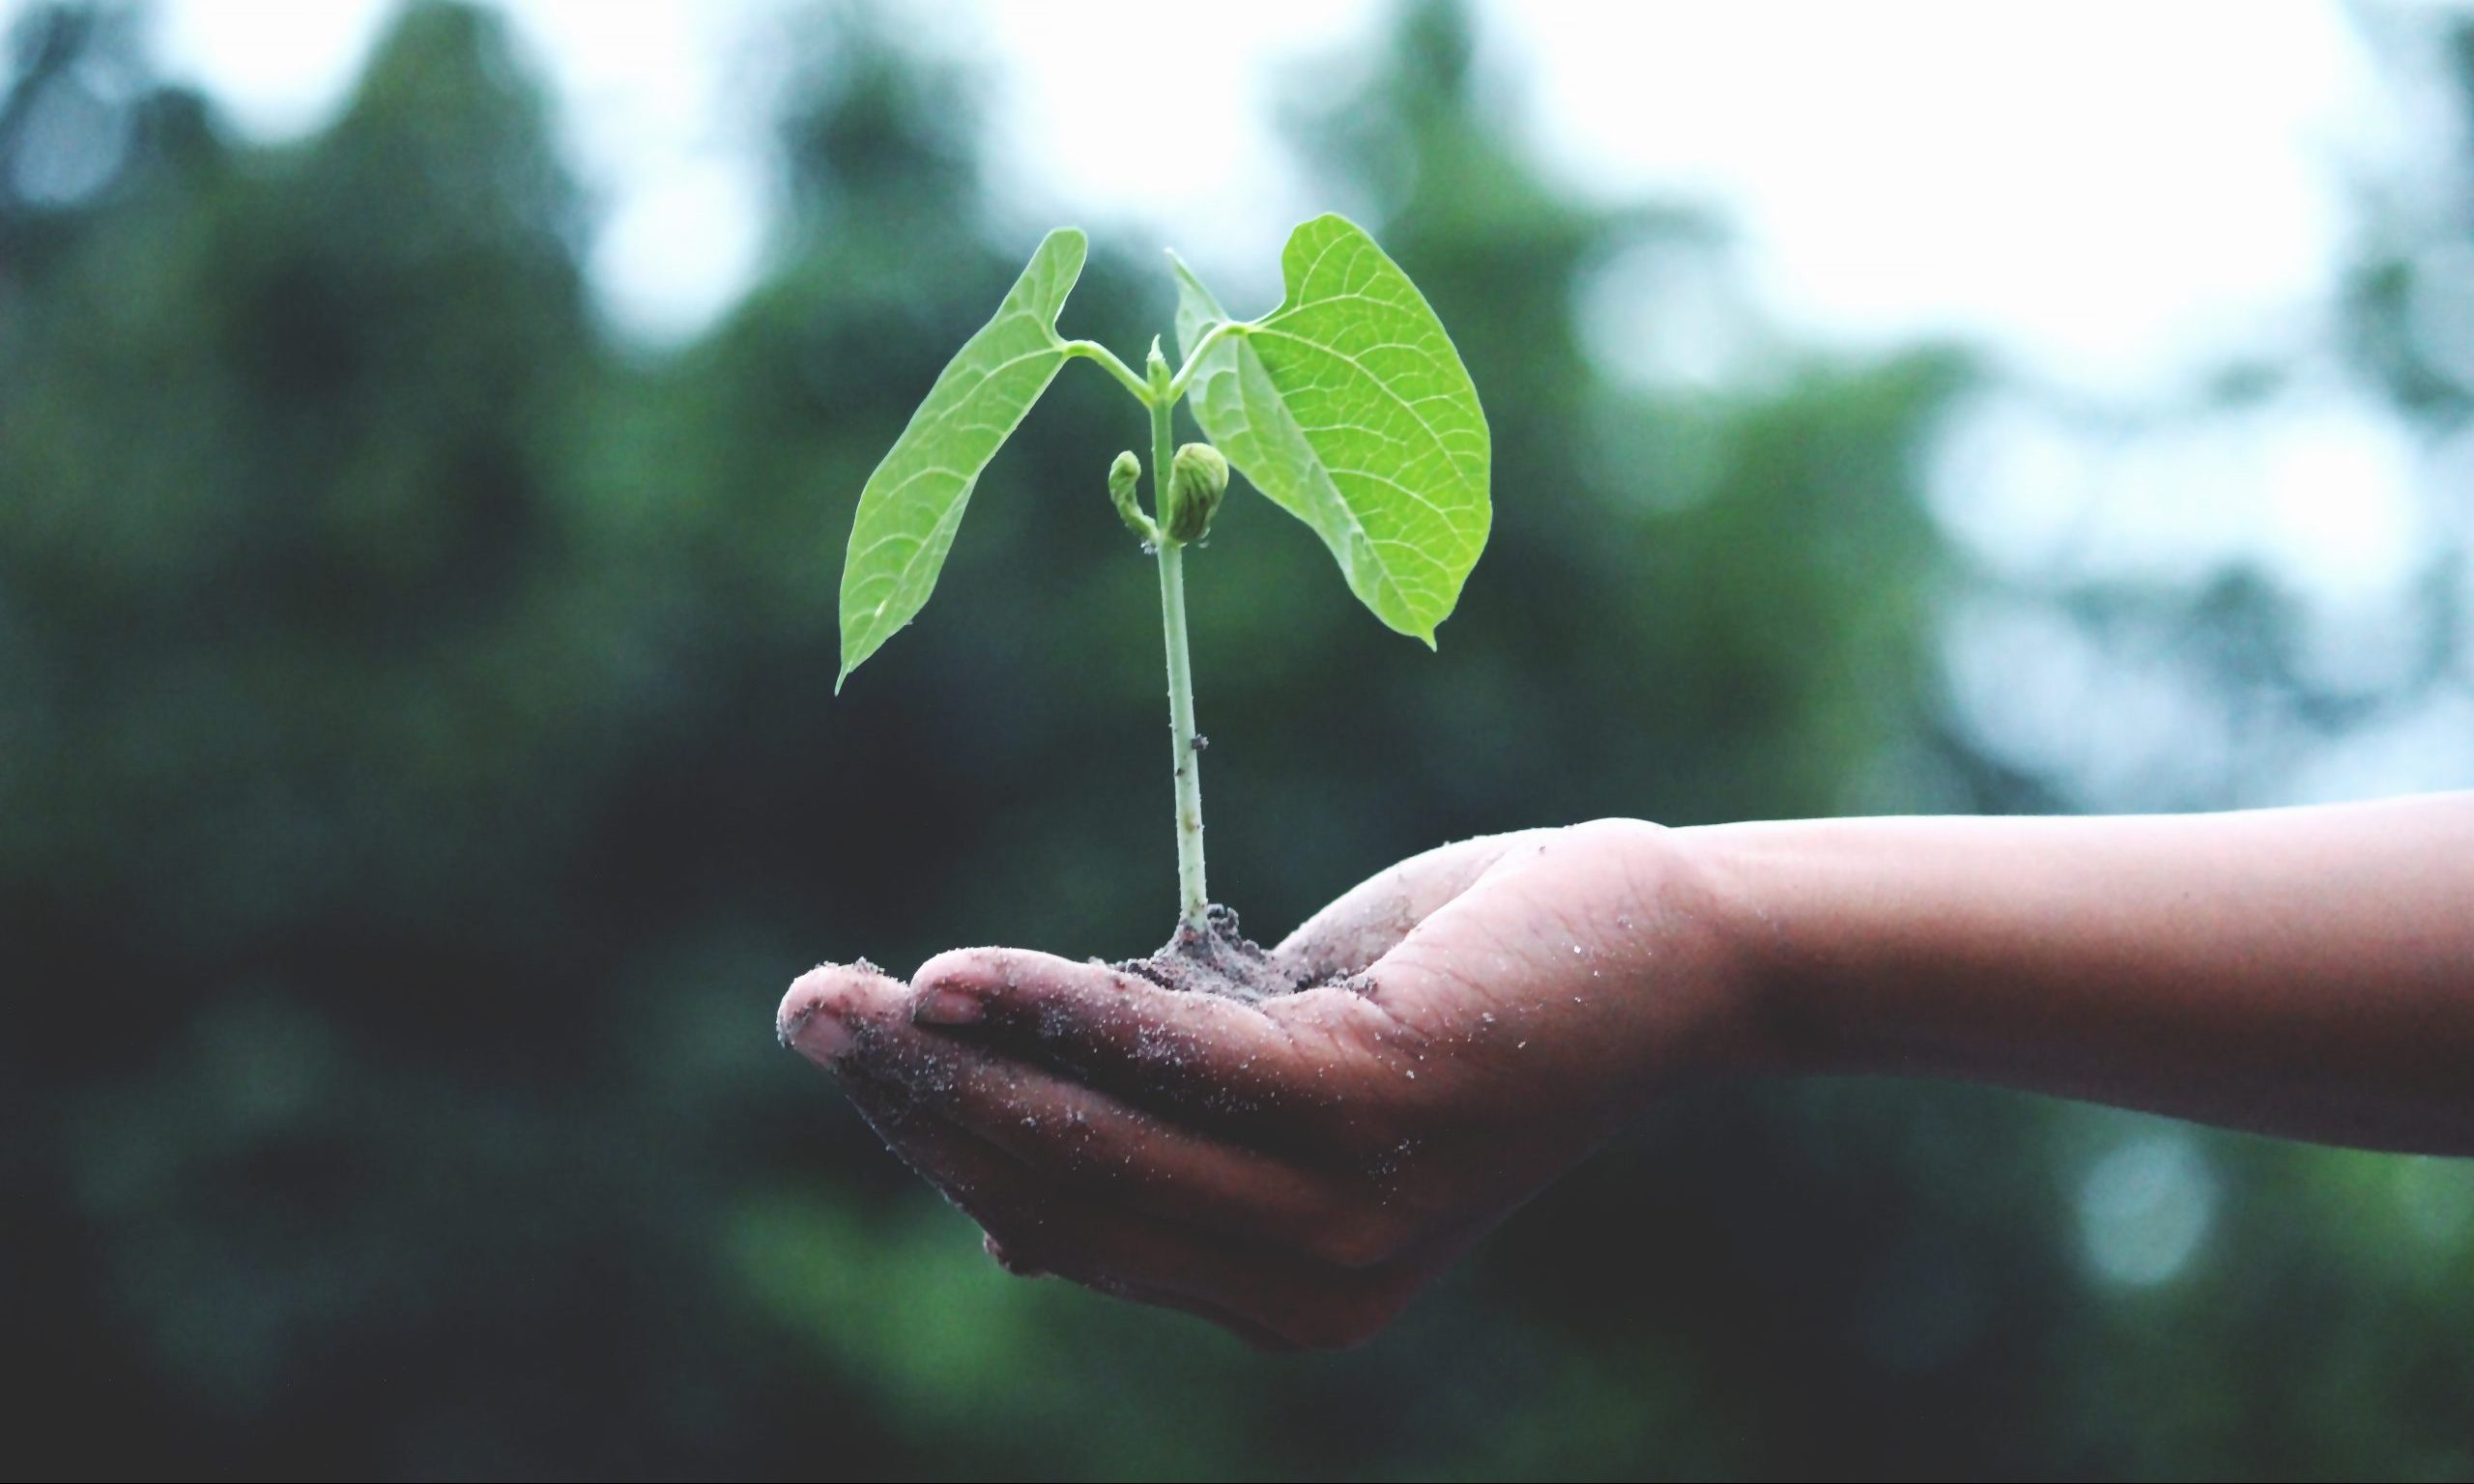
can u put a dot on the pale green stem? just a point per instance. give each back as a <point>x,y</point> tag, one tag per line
<point>1194,361</point>
<point>1094,350</point>
<point>1193,900</point>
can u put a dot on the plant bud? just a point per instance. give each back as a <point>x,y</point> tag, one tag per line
<point>1197,478</point>
<point>1123,475</point>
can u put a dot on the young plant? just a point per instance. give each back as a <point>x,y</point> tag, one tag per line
<point>1346,406</point>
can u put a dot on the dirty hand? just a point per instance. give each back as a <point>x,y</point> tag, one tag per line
<point>1295,1169</point>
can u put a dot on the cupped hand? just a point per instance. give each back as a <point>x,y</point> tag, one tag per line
<point>1296,1168</point>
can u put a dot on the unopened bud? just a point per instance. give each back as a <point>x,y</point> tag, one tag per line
<point>1123,475</point>
<point>1197,478</point>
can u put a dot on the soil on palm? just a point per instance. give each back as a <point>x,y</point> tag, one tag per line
<point>1221,959</point>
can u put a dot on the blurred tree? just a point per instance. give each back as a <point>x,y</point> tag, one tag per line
<point>418,743</point>
<point>316,677</point>
<point>2244,1307</point>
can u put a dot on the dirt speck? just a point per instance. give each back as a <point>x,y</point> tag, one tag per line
<point>1219,961</point>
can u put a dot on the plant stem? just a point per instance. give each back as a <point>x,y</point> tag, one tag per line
<point>1094,350</point>
<point>1193,900</point>
<point>1193,359</point>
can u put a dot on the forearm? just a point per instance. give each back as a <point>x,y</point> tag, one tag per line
<point>2301,972</point>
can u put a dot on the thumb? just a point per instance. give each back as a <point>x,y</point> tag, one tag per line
<point>1372,917</point>
<point>1498,953</point>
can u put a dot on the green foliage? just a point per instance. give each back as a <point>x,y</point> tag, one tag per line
<point>1357,417</point>
<point>1349,407</point>
<point>417,790</point>
<point>914,501</point>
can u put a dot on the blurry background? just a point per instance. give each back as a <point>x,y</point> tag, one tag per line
<point>427,439</point>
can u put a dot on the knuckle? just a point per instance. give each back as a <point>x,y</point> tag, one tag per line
<point>1361,1241</point>
<point>1061,1138</point>
<point>1343,1324</point>
<point>1029,1248</point>
<point>885,1050</point>
<point>1025,1223</point>
<point>1090,1159</point>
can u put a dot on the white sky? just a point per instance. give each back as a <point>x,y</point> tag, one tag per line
<point>2112,196</point>
<point>2110,190</point>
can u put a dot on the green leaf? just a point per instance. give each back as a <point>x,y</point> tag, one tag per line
<point>1350,408</point>
<point>914,501</point>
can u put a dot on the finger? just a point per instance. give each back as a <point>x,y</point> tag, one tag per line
<point>859,1021</point>
<point>1478,971</point>
<point>819,1015</point>
<point>1222,1063</point>
<point>1020,1268</point>
<point>997,1192</point>
<point>1284,1302</point>
<point>1268,1301</point>
<point>1372,917</point>
<point>1087,1140</point>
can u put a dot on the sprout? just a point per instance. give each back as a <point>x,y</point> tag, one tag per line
<point>1347,407</point>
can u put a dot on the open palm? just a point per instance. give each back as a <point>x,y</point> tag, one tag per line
<point>1297,1168</point>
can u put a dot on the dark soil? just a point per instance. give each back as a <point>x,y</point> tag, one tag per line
<point>1219,960</point>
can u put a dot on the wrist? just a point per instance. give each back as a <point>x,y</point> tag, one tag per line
<point>1684,930</point>
<point>1741,875</point>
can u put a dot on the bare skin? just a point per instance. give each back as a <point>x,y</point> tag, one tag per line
<point>1297,1170</point>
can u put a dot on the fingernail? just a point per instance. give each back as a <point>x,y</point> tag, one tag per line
<point>943,1006</point>
<point>808,1021</point>
<point>815,1031</point>
<point>823,1037</point>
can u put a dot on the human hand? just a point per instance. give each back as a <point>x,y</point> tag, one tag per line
<point>1296,1169</point>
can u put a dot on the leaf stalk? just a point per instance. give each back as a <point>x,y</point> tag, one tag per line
<point>1194,358</point>
<point>1094,350</point>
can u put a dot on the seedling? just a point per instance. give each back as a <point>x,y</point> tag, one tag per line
<point>1346,406</point>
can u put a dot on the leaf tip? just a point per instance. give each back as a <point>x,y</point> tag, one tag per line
<point>1072,246</point>
<point>853,657</point>
<point>1326,220</point>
